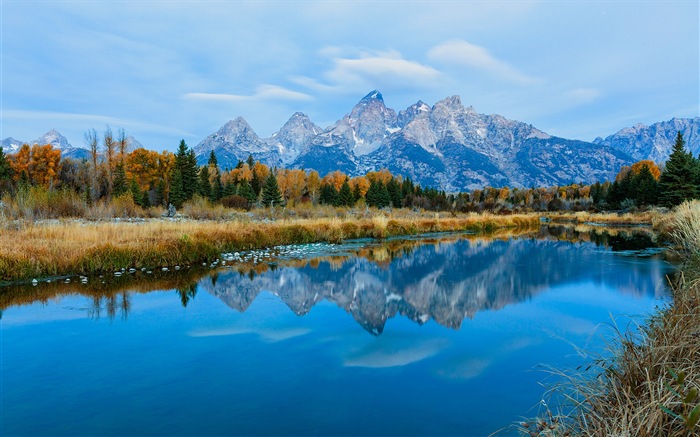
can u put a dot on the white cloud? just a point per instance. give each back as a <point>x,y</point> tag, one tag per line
<point>389,352</point>
<point>86,119</point>
<point>353,69</point>
<point>264,92</point>
<point>465,54</point>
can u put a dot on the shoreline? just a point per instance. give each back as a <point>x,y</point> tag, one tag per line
<point>87,248</point>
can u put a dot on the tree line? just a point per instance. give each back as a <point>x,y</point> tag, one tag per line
<point>159,179</point>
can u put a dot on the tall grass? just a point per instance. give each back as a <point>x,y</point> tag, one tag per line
<point>649,384</point>
<point>76,247</point>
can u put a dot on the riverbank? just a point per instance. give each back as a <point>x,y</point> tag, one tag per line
<point>59,248</point>
<point>649,384</point>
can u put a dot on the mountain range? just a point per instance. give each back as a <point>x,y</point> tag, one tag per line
<point>446,145</point>
<point>58,141</point>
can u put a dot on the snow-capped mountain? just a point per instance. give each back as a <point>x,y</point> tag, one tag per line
<point>53,137</point>
<point>11,145</point>
<point>447,145</point>
<point>294,138</point>
<point>655,142</point>
<point>235,141</point>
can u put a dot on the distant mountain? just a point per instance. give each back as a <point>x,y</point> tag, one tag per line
<point>655,142</point>
<point>294,138</point>
<point>11,145</point>
<point>447,145</point>
<point>53,137</point>
<point>235,141</point>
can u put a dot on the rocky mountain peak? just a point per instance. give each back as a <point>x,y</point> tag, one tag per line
<point>294,137</point>
<point>54,138</point>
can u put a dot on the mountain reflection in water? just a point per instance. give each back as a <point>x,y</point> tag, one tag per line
<point>446,281</point>
<point>446,278</point>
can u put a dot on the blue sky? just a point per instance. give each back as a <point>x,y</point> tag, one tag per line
<point>166,70</point>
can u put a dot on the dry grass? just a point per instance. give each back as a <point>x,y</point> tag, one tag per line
<point>649,384</point>
<point>647,217</point>
<point>61,248</point>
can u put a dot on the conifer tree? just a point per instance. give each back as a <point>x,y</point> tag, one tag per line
<point>177,196</point>
<point>5,169</point>
<point>377,195</point>
<point>677,182</point>
<point>271,195</point>
<point>646,187</point>
<point>246,191</point>
<point>345,197</point>
<point>119,185</point>
<point>328,195</point>
<point>204,187</point>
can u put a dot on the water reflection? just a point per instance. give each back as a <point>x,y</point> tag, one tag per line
<point>445,281</point>
<point>444,278</point>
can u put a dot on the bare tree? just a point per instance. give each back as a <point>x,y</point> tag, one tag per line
<point>92,144</point>
<point>109,146</point>
<point>122,144</point>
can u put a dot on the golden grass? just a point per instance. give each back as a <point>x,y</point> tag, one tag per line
<point>629,218</point>
<point>649,385</point>
<point>70,247</point>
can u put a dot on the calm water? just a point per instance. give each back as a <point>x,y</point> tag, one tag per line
<point>444,336</point>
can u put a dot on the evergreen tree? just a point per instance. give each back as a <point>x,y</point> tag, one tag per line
<point>328,195</point>
<point>160,193</point>
<point>677,182</point>
<point>647,188</point>
<point>345,197</point>
<point>212,159</point>
<point>356,193</point>
<point>177,195</point>
<point>119,186</point>
<point>271,195</point>
<point>229,189</point>
<point>246,191</point>
<point>377,195</point>
<point>135,191</point>
<point>250,162</point>
<point>256,184</point>
<point>190,177</point>
<point>5,169</point>
<point>204,187</point>
<point>395,193</point>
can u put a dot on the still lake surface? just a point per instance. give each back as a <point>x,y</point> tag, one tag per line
<point>436,336</point>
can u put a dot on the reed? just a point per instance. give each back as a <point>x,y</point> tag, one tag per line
<point>78,247</point>
<point>648,384</point>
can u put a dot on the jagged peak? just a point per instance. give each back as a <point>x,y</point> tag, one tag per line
<point>451,102</point>
<point>373,95</point>
<point>238,123</point>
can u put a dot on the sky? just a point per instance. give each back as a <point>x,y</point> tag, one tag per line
<point>170,70</point>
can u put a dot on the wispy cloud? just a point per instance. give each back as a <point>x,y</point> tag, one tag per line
<point>263,93</point>
<point>395,353</point>
<point>580,96</point>
<point>352,69</point>
<point>464,54</point>
<point>86,120</point>
<point>271,335</point>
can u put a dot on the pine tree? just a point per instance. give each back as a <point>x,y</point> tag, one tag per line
<point>5,169</point>
<point>246,191</point>
<point>377,195</point>
<point>204,187</point>
<point>677,182</point>
<point>395,194</point>
<point>119,185</point>
<point>328,195</point>
<point>647,188</point>
<point>345,197</point>
<point>271,195</point>
<point>177,196</point>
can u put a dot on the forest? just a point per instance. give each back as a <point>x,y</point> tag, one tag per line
<point>36,182</point>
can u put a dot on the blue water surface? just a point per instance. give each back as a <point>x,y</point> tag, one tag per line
<point>437,338</point>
